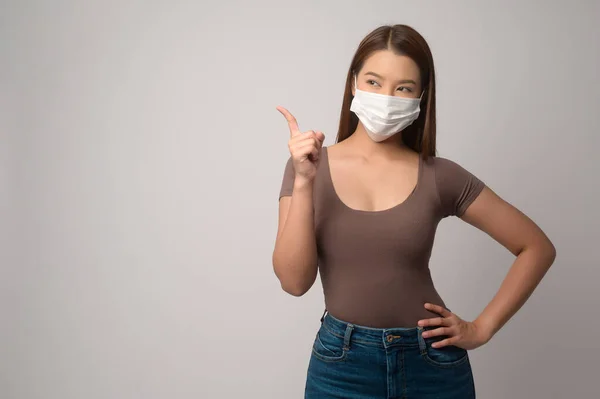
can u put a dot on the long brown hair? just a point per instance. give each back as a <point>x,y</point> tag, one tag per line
<point>402,40</point>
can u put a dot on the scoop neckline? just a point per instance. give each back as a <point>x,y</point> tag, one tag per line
<point>364,211</point>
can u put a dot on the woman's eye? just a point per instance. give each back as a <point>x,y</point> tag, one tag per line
<point>407,89</point>
<point>371,82</point>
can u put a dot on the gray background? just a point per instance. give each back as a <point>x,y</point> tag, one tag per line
<point>141,159</point>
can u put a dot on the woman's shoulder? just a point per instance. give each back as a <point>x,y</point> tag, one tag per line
<point>445,167</point>
<point>457,187</point>
<point>440,162</point>
<point>332,149</point>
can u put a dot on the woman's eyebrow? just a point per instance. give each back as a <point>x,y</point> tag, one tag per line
<point>382,78</point>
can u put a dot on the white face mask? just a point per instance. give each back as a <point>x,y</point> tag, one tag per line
<point>383,115</point>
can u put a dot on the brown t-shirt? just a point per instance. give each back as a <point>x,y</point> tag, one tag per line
<point>374,265</point>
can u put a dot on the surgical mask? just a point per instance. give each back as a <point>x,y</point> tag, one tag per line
<point>383,115</point>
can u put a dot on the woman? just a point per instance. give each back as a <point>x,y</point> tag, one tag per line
<point>365,210</point>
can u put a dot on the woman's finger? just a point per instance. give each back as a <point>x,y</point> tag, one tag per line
<point>321,136</point>
<point>291,120</point>
<point>310,139</point>
<point>314,152</point>
<point>434,321</point>
<point>308,135</point>
<point>438,309</point>
<point>444,330</point>
<point>446,342</point>
<point>304,150</point>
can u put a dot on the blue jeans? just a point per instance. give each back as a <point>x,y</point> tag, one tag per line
<point>356,362</point>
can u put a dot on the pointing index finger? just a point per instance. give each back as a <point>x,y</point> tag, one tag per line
<point>292,123</point>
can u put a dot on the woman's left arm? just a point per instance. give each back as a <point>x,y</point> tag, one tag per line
<point>534,253</point>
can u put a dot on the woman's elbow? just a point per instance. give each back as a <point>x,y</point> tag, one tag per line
<point>292,285</point>
<point>295,281</point>
<point>544,249</point>
<point>550,252</point>
<point>294,289</point>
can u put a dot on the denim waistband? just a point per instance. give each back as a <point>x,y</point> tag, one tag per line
<point>382,337</point>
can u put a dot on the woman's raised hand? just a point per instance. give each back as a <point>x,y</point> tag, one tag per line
<point>305,147</point>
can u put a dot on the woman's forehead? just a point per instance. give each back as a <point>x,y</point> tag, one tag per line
<point>391,66</point>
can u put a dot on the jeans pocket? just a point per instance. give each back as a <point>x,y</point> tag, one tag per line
<point>328,346</point>
<point>447,356</point>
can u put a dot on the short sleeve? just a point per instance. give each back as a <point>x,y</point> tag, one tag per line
<point>287,183</point>
<point>457,187</point>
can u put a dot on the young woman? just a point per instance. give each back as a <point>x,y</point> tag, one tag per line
<point>363,213</point>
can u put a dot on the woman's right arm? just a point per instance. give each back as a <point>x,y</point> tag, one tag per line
<point>295,252</point>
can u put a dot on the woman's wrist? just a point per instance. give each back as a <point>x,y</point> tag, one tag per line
<point>486,326</point>
<point>303,184</point>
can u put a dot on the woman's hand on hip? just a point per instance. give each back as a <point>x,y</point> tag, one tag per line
<point>460,333</point>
